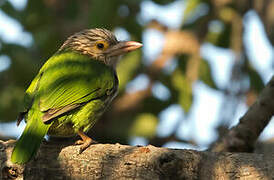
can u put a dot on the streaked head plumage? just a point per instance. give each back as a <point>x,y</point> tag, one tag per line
<point>100,44</point>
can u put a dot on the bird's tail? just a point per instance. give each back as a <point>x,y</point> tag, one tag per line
<point>29,142</point>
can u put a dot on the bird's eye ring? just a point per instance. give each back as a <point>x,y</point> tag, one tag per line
<point>100,46</point>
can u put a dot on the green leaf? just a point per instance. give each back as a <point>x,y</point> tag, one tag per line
<point>205,74</point>
<point>190,7</point>
<point>220,39</point>
<point>184,87</point>
<point>223,39</point>
<point>144,125</point>
<point>9,10</point>
<point>256,81</point>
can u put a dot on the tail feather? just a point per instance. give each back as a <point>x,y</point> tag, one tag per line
<point>29,142</point>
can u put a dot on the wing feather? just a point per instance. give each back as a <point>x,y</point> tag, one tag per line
<point>68,80</point>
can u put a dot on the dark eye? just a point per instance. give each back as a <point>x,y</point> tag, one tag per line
<point>100,46</point>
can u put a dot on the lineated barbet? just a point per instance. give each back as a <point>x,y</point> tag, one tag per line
<point>71,91</point>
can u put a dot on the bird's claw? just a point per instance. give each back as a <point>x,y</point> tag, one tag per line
<point>79,142</point>
<point>85,142</point>
<point>84,145</point>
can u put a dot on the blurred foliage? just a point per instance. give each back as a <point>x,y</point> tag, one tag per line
<point>183,86</point>
<point>256,81</point>
<point>127,68</point>
<point>50,22</point>
<point>205,74</point>
<point>144,125</point>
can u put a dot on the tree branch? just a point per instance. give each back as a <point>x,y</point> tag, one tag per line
<point>106,161</point>
<point>242,137</point>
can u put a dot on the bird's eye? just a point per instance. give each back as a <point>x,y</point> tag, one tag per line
<point>100,46</point>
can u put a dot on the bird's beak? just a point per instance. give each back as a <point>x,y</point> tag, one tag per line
<point>123,47</point>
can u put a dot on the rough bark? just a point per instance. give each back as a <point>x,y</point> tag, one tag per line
<point>242,137</point>
<point>107,161</point>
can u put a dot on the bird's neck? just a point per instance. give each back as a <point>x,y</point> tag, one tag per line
<point>112,61</point>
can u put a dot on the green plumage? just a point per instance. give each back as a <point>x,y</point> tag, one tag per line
<point>66,80</point>
<point>31,138</point>
<point>71,90</point>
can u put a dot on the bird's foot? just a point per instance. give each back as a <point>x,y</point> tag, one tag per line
<point>79,142</point>
<point>85,145</point>
<point>85,142</point>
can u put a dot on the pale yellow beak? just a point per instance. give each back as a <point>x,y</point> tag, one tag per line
<point>123,47</point>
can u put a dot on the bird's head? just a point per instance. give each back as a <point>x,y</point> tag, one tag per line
<point>99,44</point>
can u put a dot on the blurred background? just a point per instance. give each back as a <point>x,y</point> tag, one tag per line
<point>202,65</point>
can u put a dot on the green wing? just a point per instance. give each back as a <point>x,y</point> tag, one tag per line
<point>68,80</point>
<point>65,82</point>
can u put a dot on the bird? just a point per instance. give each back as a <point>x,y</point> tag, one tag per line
<point>71,91</point>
